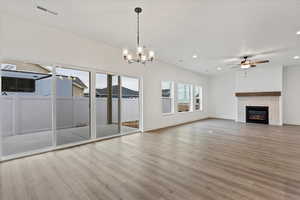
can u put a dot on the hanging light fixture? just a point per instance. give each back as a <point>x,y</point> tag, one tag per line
<point>142,56</point>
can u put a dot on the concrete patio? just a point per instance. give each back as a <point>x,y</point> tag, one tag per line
<point>40,140</point>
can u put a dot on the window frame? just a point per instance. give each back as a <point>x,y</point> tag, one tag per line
<point>191,99</point>
<point>172,97</point>
<point>200,98</point>
<point>16,82</point>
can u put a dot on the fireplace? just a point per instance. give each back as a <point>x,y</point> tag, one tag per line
<point>257,114</point>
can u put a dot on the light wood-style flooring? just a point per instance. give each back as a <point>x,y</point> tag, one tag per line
<point>205,160</point>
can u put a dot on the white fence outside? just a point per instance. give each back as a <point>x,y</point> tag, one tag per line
<point>166,104</point>
<point>28,114</point>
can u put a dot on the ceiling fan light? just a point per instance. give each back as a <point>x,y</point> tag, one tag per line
<point>247,66</point>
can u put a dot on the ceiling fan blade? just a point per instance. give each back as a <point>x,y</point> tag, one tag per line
<point>254,54</point>
<point>263,53</point>
<point>260,62</point>
<point>272,51</point>
<point>230,59</point>
<point>235,67</point>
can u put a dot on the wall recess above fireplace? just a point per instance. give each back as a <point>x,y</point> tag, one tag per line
<point>257,94</point>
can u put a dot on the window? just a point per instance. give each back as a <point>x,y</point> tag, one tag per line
<point>167,96</point>
<point>13,84</point>
<point>184,100</point>
<point>198,98</point>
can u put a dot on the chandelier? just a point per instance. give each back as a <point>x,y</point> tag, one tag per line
<point>142,55</point>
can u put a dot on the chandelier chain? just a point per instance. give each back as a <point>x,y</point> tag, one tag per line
<point>138,29</point>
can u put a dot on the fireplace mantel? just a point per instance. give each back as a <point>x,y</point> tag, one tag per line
<point>258,94</point>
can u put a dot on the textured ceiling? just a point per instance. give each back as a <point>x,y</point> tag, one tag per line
<point>214,30</point>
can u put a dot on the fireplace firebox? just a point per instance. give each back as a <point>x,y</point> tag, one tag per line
<point>257,114</point>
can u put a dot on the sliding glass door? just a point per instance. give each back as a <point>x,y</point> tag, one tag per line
<point>26,107</point>
<point>130,104</point>
<point>107,105</point>
<point>72,106</point>
<point>117,105</point>
<point>43,107</point>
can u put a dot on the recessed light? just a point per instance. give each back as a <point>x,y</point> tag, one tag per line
<point>298,33</point>
<point>296,57</point>
<point>195,56</point>
<point>219,68</point>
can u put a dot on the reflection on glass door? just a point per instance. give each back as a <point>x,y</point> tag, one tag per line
<point>130,104</point>
<point>72,106</point>
<point>107,105</point>
<point>26,107</point>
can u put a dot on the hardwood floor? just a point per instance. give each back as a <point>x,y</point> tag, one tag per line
<point>212,159</point>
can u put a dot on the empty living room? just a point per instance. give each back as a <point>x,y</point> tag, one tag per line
<point>149,100</point>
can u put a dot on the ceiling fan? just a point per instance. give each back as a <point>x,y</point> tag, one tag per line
<point>246,63</point>
<point>250,60</point>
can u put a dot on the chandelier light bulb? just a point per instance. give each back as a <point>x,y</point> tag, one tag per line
<point>144,58</point>
<point>139,50</point>
<point>125,52</point>
<point>151,54</point>
<point>129,57</point>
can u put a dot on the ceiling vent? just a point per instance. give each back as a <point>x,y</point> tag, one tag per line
<point>46,10</point>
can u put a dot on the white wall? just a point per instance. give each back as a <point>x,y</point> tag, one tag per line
<point>222,87</point>
<point>1,37</point>
<point>291,95</point>
<point>267,77</point>
<point>30,41</point>
<point>222,102</point>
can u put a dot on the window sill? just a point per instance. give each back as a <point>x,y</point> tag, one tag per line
<point>185,112</point>
<point>168,114</point>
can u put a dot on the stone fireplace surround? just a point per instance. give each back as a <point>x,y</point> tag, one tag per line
<point>273,102</point>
